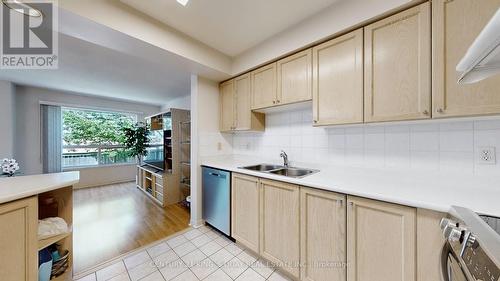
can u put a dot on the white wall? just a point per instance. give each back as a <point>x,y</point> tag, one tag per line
<point>336,18</point>
<point>206,140</point>
<point>27,134</point>
<point>7,119</point>
<point>446,146</point>
<point>183,102</point>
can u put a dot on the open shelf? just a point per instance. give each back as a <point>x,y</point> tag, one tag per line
<point>44,243</point>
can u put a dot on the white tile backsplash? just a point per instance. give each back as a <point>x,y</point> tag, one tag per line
<point>449,146</point>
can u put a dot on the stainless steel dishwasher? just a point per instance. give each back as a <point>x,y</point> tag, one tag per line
<point>217,199</point>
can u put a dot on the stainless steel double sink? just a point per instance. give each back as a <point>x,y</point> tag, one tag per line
<point>292,172</point>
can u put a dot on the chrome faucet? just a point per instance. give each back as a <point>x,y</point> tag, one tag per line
<point>285,158</point>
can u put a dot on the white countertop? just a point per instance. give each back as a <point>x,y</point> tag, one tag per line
<point>429,190</point>
<point>19,187</point>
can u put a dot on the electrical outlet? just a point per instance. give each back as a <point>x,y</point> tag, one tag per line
<point>487,155</point>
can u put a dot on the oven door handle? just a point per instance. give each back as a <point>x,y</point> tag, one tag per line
<point>445,269</point>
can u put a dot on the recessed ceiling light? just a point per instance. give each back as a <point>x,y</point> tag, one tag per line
<point>22,8</point>
<point>183,2</point>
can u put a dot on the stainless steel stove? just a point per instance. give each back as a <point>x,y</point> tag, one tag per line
<point>472,250</point>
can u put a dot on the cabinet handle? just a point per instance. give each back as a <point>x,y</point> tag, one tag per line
<point>426,112</point>
<point>340,202</point>
<point>278,101</point>
<point>440,110</point>
<point>315,121</point>
<point>274,102</point>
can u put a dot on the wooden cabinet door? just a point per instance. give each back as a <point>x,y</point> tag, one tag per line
<point>242,110</point>
<point>264,86</point>
<point>227,118</point>
<point>455,25</point>
<point>398,66</point>
<point>323,235</point>
<point>381,241</point>
<point>338,80</point>
<point>18,240</point>
<point>280,231</point>
<point>295,78</point>
<point>245,210</point>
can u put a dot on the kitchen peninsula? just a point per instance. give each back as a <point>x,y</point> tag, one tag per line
<point>20,210</point>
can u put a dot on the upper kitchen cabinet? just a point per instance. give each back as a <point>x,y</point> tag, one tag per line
<point>338,80</point>
<point>294,78</point>
<point>398,66</point>
<point>455,25</point>
<point>227,108</point>
<point>381,241</point>
<point>236,114</point>
<point>264,88</point>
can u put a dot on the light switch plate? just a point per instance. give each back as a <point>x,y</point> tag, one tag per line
<point>486,155</point>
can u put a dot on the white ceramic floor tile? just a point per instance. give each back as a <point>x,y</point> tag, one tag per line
<point>250,275</point>
<point>90,277</point>
<point>142,270</point>
<point>176,241</point>
<point>201,240</point>
<point>210,248</point>
<point>233,249</point>
<point>121,277</point>
<point>212,234</point>
<point>204,268</point>
<point>173,269</point>
<point>155,276</point>
<point>194,257</point>
<point>276,276</point>
<point>137,259</point>
<point>186,276</point>
<point>110,271</point>
<point>203,229</point>
<point>192,234</point>
<point>247,258</point>
<point>165,258</point>
<point>234,268</point>
<point>223,241</point>
<point>158,249</point>
<point>221,257</point>
<point>263,268</point>
<point>184,249</point>
<point>218,275</point>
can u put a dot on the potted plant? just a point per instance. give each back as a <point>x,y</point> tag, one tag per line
<point>136,140</point>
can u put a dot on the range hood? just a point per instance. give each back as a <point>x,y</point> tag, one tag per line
<point>482,60</point>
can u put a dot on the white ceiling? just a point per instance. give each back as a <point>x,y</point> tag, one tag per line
<point>230,26</point>
<point>92,69</point>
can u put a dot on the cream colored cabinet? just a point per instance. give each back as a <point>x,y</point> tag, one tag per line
<point>398,66</point>
<point>455,25</point>
<point>430,240</point>
<point>245,220</point>
<point>227,106</point>
<point>322,235</point>
<point>295,78</point>
<point>264,88</point>
<point>18,240</point>
<point>236,115</point>
<point>338,80</point>
<point>381,241</point>
<point>280,230</point>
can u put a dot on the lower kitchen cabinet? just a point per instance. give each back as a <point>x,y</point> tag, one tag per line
<point>381,241</point>
<point>322,235</point>
<point>245,210</point>
<point>19,240</point>
<point>280,229</point>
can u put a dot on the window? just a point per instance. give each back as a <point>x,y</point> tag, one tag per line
<point>93,138</point>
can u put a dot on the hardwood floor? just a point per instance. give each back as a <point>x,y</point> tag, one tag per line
<point>112,220</point>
